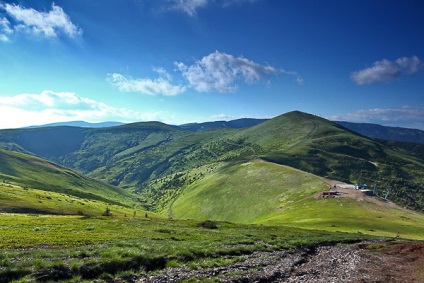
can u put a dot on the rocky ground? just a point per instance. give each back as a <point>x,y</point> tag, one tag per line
<point>365,262</point>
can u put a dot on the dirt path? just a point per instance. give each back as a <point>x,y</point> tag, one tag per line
<point>359,263</point>
<point>315,128</point>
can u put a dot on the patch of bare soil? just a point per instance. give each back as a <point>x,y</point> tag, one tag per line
<point>395,262</point>
<point>347,191</point>
<point>357,263</point>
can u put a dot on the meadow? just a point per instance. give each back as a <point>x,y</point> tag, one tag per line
<point>120,221</point>
<point>259,192</point>
<point>41,248</point>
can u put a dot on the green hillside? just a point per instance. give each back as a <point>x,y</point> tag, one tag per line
<point>155,160</point>
<point>49,143</point>
<point>31,184</point>
<point>318,146</point>
<point>265,193</point>
<point>244,192</point>
<point>348,215</point>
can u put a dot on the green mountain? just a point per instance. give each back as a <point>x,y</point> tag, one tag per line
<point>158,161</point>
<point>266,193</point>
<point>236,124</point>
<point>32,184</point>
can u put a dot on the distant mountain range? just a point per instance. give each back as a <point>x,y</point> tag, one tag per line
<point>82,124</point>
<point>365,129</point>
<point>385,132</point>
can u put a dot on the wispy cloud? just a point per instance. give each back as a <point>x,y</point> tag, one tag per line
<point>190,7</point>
<point>30,21</point>
<point>159,86</point>
<point>385,70</point>
<point>406,116</point>
<point>5,29</point>
<point>220,71</point>
<point>228,117</point>
<point>49,106</point>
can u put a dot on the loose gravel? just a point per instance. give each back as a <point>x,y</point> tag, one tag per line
<point>322,264</point>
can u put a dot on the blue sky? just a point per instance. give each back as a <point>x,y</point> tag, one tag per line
<point>181,61</point>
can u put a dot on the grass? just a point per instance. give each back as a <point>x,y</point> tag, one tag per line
<point>32,184</point>
<point>14,198</point>
<point>265,193</point>
<point>211,175</point>
<point>82,249</point>
<point>243,192</point>
<point>347,215</point>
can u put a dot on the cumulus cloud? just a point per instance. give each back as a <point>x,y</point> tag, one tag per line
<point>220,71</point>
<point>27,20</point>
<point>161,85</point>
<point>385,70</point>
<point>412,117</point>
<point>50,99</point>
<point>49,106</point>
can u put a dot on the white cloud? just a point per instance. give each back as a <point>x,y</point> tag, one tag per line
<point>385,70</point>
<point>48,24</point>
<point>220,71</point>
<point>300,80</point>
<point>412,117</point>
<point>36,109</point>
<point>217,72</point>
<point>190,7</point>
<point>161,85</point>
<point>5,29</point>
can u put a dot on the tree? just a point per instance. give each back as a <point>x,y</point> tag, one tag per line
<point>107,212</point>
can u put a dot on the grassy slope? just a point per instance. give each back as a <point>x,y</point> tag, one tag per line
<point>49,143</point>
<point>318,146</point>
<point>96,248</point>
<point>32,184</point>
<point>266,193</point>
<point>351,216</point>
<point>133,156</point>
<point>243,192</point>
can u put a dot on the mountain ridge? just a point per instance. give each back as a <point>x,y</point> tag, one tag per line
<point>81,124</point>
<point>371,130</point>
<point>157,161</point>
<point>385,132</point>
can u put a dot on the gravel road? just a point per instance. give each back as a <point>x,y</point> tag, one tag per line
<point>397,262</point>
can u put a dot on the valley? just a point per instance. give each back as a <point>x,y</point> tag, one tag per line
<point>135,200</point>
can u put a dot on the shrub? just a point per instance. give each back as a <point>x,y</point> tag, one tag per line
<point>208,224</point>
<point>53,273</point>
<point>10,274</point>
<point>107,212</point>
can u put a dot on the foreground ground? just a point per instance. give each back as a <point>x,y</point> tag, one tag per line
<point>47,248</point>
<point>364,262</point>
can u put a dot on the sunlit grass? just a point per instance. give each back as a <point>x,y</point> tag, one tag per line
<point>244,192</point>
<point>88,248</point>
<point>347,215</point>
